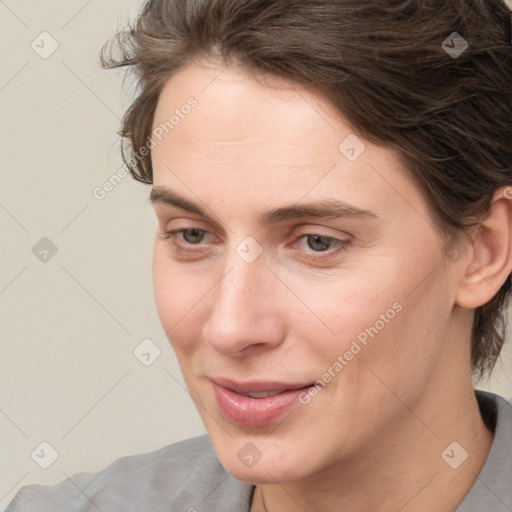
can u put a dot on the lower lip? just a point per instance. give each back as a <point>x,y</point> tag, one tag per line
<point>255,412</point>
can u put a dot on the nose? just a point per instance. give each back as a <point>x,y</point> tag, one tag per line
<point>244,309</point>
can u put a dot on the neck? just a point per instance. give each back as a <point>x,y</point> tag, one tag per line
<point>403,468</point>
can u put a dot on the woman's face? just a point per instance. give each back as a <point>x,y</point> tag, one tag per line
<point>309,256</point>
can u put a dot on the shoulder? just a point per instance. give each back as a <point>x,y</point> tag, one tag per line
<point>185,476</point>
<point>492,490</point>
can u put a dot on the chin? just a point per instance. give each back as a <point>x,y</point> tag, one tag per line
<point>261,460</point>
<point>269,472</point>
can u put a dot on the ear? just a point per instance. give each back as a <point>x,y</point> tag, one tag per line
<point>491,250</point>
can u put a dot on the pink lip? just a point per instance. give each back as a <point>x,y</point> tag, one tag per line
<point>255,412</point>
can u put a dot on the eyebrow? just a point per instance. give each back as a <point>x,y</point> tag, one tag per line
<point>323,209</point>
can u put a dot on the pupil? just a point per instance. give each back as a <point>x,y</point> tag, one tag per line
<point>196,235</point>
<point>319,242</point>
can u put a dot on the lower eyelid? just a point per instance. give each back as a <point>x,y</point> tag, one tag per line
<point>328,255</point>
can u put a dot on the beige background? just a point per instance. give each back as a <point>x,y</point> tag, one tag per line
<point>70,325</point>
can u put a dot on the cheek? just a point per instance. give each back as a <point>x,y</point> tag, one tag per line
<point>347,306</point>
<point>401,355</point>
<point>177,294</point>
<point>328,313</point>
<point>381,319</point>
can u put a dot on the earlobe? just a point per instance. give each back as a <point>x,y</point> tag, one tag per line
<point>492,254</point>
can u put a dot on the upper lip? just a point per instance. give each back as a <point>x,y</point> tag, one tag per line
<point>257,386</point>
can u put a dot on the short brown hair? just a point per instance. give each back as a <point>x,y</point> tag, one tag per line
<point>386,67</point>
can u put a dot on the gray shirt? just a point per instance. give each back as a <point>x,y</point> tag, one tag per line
<point>188,477</point>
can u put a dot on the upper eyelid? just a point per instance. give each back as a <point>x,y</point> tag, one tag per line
<point>298,232</point>
<point>162,212</point>
<point>337,241</point>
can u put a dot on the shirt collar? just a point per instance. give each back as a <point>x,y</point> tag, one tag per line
<point>492,490</point>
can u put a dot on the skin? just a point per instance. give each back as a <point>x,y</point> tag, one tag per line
<point>372,438</point>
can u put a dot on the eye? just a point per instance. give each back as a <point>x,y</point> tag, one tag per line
<point>318,242</point>
<point>188,236</point>
<point>192,241</point>
<point>191,235</point>
<point>321,246</point>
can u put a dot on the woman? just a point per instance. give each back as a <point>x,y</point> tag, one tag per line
<point>333,187</point>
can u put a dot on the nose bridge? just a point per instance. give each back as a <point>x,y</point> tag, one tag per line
<point>241,313</point>
<point>241,287</point>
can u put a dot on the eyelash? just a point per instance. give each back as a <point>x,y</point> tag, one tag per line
<point>342,244</point>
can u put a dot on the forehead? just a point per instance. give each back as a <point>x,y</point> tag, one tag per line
<point>234,109</point>
<point>268,142</point>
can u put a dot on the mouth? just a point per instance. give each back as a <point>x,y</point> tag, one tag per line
<point>256,404</point>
